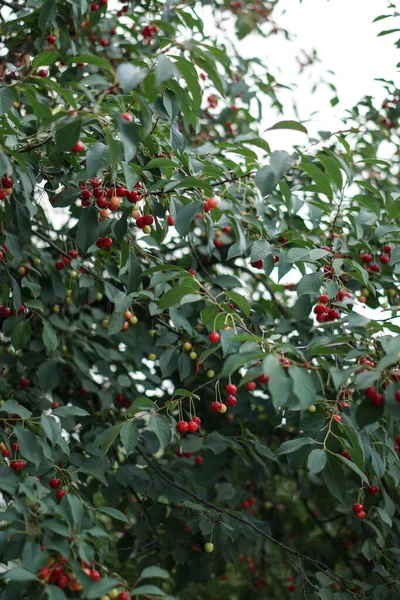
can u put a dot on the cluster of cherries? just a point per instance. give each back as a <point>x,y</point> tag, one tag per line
<point>359,511</point>
<point>8,312</point>
<point>322,310</point>
<point>245,504</point>
<point>56,574</point>
<point>384,258</point>
<point>7,185</point>
<point>189,426</point>
<point>121,399</point>
<point>148,31</point>
<point>6,453</point>
<point>65,261</point>
<point>199,460</point>
<point>231,400</point>
<point>55,483</point>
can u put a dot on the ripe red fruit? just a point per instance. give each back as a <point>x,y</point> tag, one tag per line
<point>337,418</point>
<point>63,580</point>
<point>324,299</point>
<point>55,483</point>
<point>214,337</point>
<point>333,314</point>
<point>251,386</point>
<point>6,453</point>
<point>59,265</point>
<point>95,182</point>
<point>94,7</point>
<point>371,393</point>
<point>197,420</point>
<point>378,401</point>
<point>3,195</point>
<point>345,454</point>
<point>140,223</point>
<point>104,243</point>
<point>375,268</point>
<point>182,426</point>
<point>44,573</point>
<point>206,207</point>
<point>387,249</point>
<point>78,148</point>
<point>385,259</point>
<point>73,253</point>
<point>216,406</point>
<point>121,191</point>
<point>245,504</point>
<point>23,382</point>
<point>231,401</point>
<point>231,388</point>
<point>17,465</point>
<point>373,490</point>
<point>258,264</point>
<point>7,182</point>
<point>192,426</point>
<point>127,117</point>
<point>397,439</point>
<point>366,258</point>
<point>171,221</point>
<point>361,515</point>
<point>199,460</point>
<point>212,203</point>
<point>124,596</point>
<point>43,73</point>
<point>263,378</point>
<point>60,494</point>
<point>66,260</point>
<point>292,588</point>
<point>320,309</point>
<point>397,396</point>
<point>357,508</point>
<point>51,39</point>
<point>148,220</point>
<point>227,229</point>
<point>133,197</point>
<point>15,446</point>
<point>102,202</point>
<point>218,243</point>
<point>95,575</point>
<point>86,194</point>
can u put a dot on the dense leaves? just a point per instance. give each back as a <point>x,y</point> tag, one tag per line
<point>194,398</point>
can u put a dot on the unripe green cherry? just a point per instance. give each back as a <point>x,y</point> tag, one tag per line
<point>209,547</point>
<point>152,357</point>
<point>311,409</point>
<point>99,297</point>
<point>210,373</point>
<point>152,332</point>
<point>193,355</point>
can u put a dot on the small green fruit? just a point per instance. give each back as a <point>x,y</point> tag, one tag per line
<point>311,409</point>
<point>209,547</point>
<point>152,357</point>
<point>210,373</point>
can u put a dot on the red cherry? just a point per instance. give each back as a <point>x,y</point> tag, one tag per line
<point>51,39</point>
<point>357,508</point>
<point>60,494</point>
<point>245,504</point>
<point>366,258</point>
<point>231,388</point>
<point>320,309</point>
<point>371,393</point>
<point>292,588</point>
<point>44,573</point>
<point>218,243</point>
<point>197,420</point>
<point>43,73</point>
<point>378,401</point>
<point>214,337</point>
<point>192,426</point>
<point>59,265</point>
<point>95,575</point>
<point>186,528</point>
<point>132,197</point>
<point>206,207</point>
<point>324,299</point>
<point>231,401</point>
<point>124,596</point>
<point>263,378</point>
<point>212,203</point>
<point>127,117</point>
<point>7,182</point>
<point>102,202</point>
<point>387,249</point>
<point>23,382</point>
<point>227,229</point>
<point>199,460</point>
<point>78,148</point>
<point>55,483</point>
<point>55,404</point>
<point>397,396</point>
<point>258,264</point>
<point>148,219</point>
<point>333,314</point>
<point>361,515</point>
<point>182,426</point>
<point>121,191</point>
<point>398,439</point>
<point>337,418</point>
<point>17,465</point>
<point>251,386</point>
<point>375,268</point>
<point>66,261</point>
<point>94,7</point>
<point>216,406</point>
<point>385,259</point>
<point>3,195</point>
<point>373,490</point>
<point>73,253</point>
<point>6,453</point>
<point>15,446</point>
<point>140,223</point>
<point>345,454</point>
<point>63,580</point>
<point>86,194</point>
<point>171,221</point>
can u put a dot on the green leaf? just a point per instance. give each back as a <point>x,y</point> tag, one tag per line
<point>49,337</point>
<point>130,76</point>
<point>241,302</point>
<point>310,284</point>
<point>367,413</point>
<point>48,377</point>
<point>234,362</point>
<point>129,436</point>
<point>317,175</point>
<point>97,158</point>
<point>67,134</point>
<point>46,58</point>
<point>164,69</point>
<point>267,177</point>
<point>54,593</point>
<point>148,590</point>
<point>91,59</point>
<point>260,249</point>
<point>101,588</point>
<point>161,428</point>
<point>6,99</point>
<point>288,125</point>
<point>113,513</point>
<point>21,334</point>
<point>316,461</point>
<point>303,386</point>
<point>354,468</point>
<point>47,13</point>
<point>19,574</point>
<point>294,445</point>
<point>70,411</point>
<point>185,217</point>
<point>30,447</point>
<point>87,232</point>
<point>129,134</point>
<point>150,572</point>
<point>13,407</point>
<point>173,296</point>
<point>107,437</point>
<point>66,198</point>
